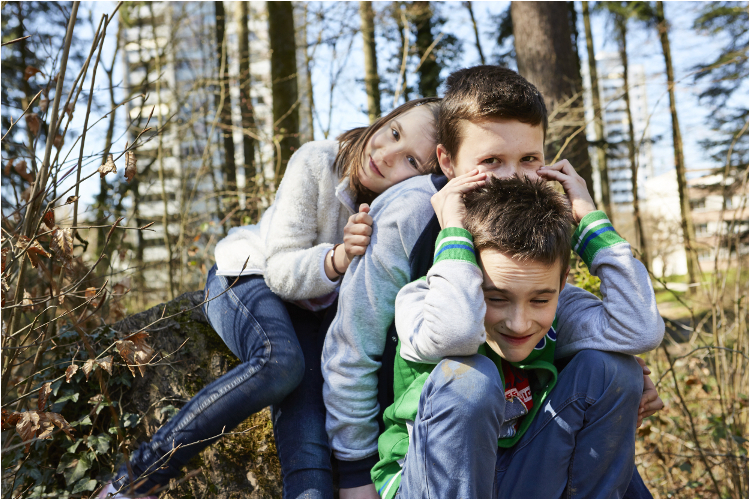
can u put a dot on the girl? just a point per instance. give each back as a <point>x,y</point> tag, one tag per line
<point>272,293</point>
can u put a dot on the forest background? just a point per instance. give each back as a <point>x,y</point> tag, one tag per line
<point>136,134</point>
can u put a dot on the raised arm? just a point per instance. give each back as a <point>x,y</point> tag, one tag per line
<point>443,314</point>
<point>626,319</point>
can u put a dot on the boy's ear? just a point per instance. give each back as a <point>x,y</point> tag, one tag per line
<point>564,278</point>
<point>446,164</point>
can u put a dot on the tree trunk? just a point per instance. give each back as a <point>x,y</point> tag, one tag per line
<point>308,78</point>
<point>688,231</point>
<point>160,159</point>
<point>403,37</point>
<point>283,83</point>
<point>246,110</point>
<point>224,106</point>
<point>476,30</point>
<point>601,148</point>
<point>621,27</point>
<point>372,81</point>
<point>545,56</point>
<point>429,71</point>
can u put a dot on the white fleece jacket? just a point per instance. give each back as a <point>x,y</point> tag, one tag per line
<point>289,244</point>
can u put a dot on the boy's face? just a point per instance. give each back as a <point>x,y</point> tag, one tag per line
<point>498,147</point>
<point>521,300</point>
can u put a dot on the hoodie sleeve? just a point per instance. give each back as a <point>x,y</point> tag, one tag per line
<point>626,319</point>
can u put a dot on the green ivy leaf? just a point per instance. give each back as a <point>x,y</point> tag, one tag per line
<point>84,484</point>
<point>72,448</point>
<point>78,467</point>
<point>99,443</point>
<point>68,396</point>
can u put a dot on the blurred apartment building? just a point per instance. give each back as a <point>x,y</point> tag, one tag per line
<point>720,219</point>
<point>614,115</point>
<point>185,33</point>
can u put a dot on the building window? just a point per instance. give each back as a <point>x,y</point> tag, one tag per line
<point>701,229</point>
<point>697,203</point>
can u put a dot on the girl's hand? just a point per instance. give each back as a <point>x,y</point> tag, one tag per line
<point>448,203</point>
<point>650,400</point>
<point>357,233</point>
<point>574,186</point>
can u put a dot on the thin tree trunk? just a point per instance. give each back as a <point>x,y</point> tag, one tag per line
<point>372,81</point>
<point>623,49</point>
<point>601,149</point>
<point>283,83</point>
<point>225,115</point>
<point>308,78</point>
<point>688,230</point>
<point>545,56</point>
<point>397,16</point>
<point>160,158</point>
<point>476,30</point>
<point>246,109</point>
<point>429,71</point>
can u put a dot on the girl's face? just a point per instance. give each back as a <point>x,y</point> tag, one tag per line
<point>398,150</point>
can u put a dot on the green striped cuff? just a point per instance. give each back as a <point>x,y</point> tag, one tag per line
<point>594,233</point>
<point>454,243</point>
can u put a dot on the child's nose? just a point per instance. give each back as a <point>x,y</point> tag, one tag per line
<point>518,322</point>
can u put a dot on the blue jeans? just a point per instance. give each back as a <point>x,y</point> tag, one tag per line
<point>259,328</point>
<point>581,444</point>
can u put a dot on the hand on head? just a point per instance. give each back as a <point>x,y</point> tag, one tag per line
<point>574,186</point>
<point>448,203</point>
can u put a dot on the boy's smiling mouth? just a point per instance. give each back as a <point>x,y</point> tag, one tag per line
<point>516,340</point>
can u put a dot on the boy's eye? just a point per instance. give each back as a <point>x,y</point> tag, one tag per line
<point>528,158</point>
<point>490,161</point>
<point>395,134</point>
<point>540,301</point>
<point>495,299</point>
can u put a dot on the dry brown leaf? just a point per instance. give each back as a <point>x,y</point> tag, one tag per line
<point>90,292</point>
<point>59,421</point>
<point>49,219</point>
<point>130,165</point>
<point>5,251</point>
<point>34,251</point>
<point>5,292</point>
<point>96,400</point>
<point>58,141</point>
<point>27,426</point>
<point>108,166</point>
<point>20,167</point>
<point>69,109</point>
<point>71,199</point>
<point>143,352</point>
<point>120,289</point>
<point>9,419</point>
<point>106,363</point>
<point>8,165</point>
<point>30,71</point>
<point>88,367</point>
<point>126,348</point>
<point>692,381</point>
<point>34,123</point>
<point>26,303</point>
<point>43,103</point>
<point>44,393</point>
<point>72,369</point>
<point>62,242</point>
<point>26,193</point>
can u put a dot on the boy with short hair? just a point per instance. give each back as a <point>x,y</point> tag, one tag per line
<point>485,425</point>
<point>493,123</point>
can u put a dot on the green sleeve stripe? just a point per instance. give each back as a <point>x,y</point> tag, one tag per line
<point>455,243</point>
<point>594,233</point>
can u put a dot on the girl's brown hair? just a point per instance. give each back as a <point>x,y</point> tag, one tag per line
<point>352,145</point>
